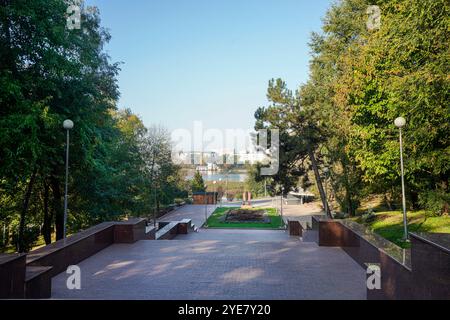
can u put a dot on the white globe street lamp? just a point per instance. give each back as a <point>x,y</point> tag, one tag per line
<point>67,125</point>
<point>400,122</point>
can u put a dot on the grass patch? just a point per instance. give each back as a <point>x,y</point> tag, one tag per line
<point>214,221</point>
<point>389,225</point>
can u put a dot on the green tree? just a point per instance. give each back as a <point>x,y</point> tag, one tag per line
<point>254,182</point>
<point>361,80</point>
<point>47,74</point>
<point>299,139</point>
<point>166,182</point>
<point>344,26</point>
<point>402,69</point>
<point>197,183</point>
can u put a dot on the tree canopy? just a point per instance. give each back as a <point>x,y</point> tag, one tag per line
<point>197,183</point>
<point>361,79</point>
<point>49,73</point>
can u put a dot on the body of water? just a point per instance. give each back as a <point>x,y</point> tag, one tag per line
<point>216,176</point>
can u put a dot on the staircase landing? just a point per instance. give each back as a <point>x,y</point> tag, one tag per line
<point>218,264</point>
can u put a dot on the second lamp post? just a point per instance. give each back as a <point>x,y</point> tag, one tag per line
<point>68,125</point>
<point>400,122</point>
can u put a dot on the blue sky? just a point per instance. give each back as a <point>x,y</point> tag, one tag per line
<point>207,60</point>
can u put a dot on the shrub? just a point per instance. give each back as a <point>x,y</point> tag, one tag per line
<point>30,237</point>
<point>230,196</point>
<point>340,215</point>
<point>369,216</point>
<point>435,202</point>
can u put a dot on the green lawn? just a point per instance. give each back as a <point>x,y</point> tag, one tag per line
<point>39,243</point>
<point>214,220</point>
<point>389,224</point>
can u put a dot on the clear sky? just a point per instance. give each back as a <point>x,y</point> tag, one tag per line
<point>208,60</point>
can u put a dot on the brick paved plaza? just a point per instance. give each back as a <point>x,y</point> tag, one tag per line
<point>218,264</point>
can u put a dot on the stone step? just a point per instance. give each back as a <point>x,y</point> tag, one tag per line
<point>150,232</point>
<point>38,282</point>
<point>169,231</point>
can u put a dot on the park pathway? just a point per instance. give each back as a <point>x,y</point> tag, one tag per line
<point>196,213</point>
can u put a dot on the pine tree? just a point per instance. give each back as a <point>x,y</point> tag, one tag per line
<point>198,185</point>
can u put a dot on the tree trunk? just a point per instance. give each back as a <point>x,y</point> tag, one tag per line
<point>319,182</point>
<point>23,212</point>
<point>155,212</point>
<point>58,210</point>
<point>48,217</point>
<point>388,201</point>
<point>8,58</point>
<point>157,204</point>
<point>414,196</point>
<point>348,191</point>
<point>350,207</point>
<point>7,235</point>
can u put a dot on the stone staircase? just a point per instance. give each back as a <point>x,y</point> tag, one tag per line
<point>303,227</point>
<point>169,230</point>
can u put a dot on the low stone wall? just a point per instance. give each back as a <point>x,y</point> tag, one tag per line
<point>396,281</point>
<point>82,245</point>
<point>130,231</point>
<point>74,249</point>
<point>12,276</point>
<point>420,273</point>
<point>56,257</point>
<point>169,230</point>
<point>294,228</point>
<point>430,260</point>
<point>184,226</point>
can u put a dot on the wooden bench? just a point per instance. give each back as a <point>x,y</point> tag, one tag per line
<point>38,282</point>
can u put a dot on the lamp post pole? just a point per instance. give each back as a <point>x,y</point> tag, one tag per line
<point>220,200</point>
<point>206,209</point>
<point>68,125</point>
<point>282,191</point>
<point>265,188</point>
<point>400,123</point>
<point>214,193</point>
<point>155,213</point>
<point>226,185</point>
<point>325,180</point>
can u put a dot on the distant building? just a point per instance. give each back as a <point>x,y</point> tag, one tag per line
<point>251,158</point>
<point>212,160</point>
<point>208,167</point>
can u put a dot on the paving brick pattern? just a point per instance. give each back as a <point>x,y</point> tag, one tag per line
<point>218,264</point>
<point>238,235</point>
